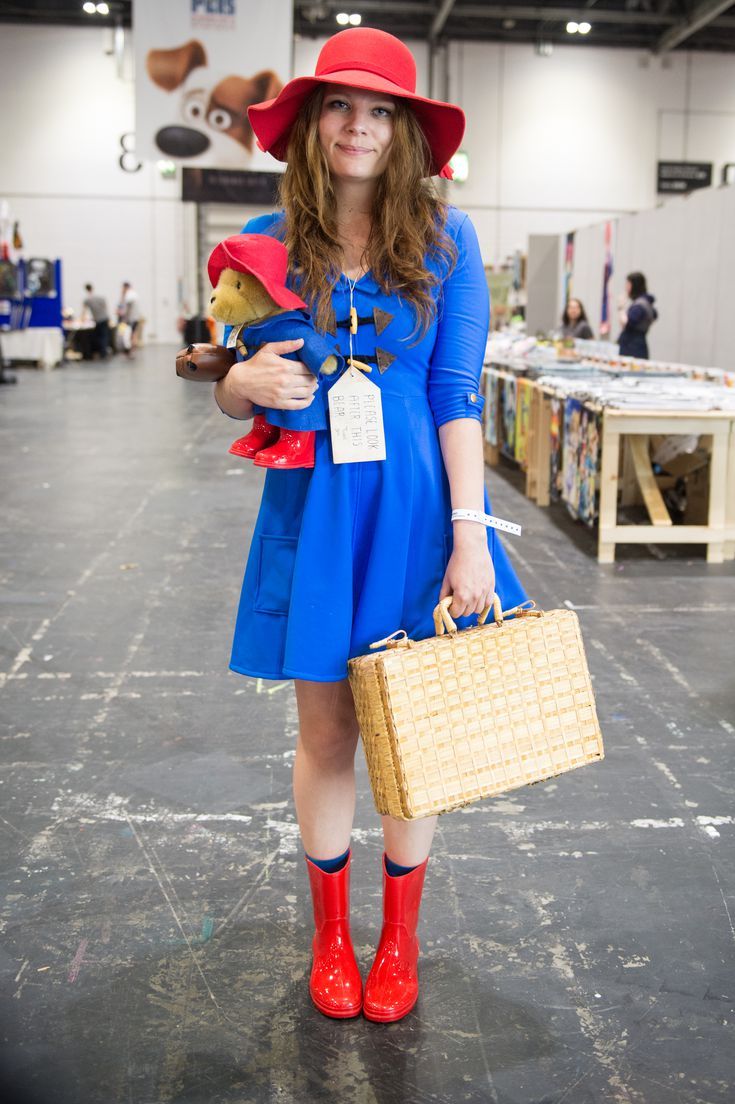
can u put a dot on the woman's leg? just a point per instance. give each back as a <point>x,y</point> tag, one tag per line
<point>408,842</point>
<point>324,769</point>
<point>324,793</point>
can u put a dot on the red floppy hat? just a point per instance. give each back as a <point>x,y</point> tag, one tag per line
<point>375,61</point>
<point>263,257</point>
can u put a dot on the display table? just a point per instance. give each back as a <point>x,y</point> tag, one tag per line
<point>574,436</point>
<point>39,344</point>
<point>719,532</point>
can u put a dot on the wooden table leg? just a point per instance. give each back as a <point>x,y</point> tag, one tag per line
<point>608,492</point>
<point>730,494</point>
<point>718,488</point>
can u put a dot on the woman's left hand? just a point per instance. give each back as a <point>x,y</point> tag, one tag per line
<point>470,575</point>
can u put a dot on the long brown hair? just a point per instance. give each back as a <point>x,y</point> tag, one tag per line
<point>407,226</point>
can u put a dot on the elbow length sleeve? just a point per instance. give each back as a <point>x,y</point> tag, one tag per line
<point>464,320</point>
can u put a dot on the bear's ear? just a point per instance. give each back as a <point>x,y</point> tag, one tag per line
<point>170,68</point>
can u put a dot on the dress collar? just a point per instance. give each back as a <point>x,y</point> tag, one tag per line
<point>366,282</point>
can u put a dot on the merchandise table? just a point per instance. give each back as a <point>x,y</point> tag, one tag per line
<point>529,427</point>
<point>44,345</point>
<point>719,532</point>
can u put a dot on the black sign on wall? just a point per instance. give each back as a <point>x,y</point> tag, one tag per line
<point>683,176</point>
<point>230,186</point>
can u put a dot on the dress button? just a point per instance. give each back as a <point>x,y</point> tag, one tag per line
<point>473,398</point>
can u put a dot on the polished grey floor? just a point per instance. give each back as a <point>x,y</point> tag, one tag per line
<point>578,938</point>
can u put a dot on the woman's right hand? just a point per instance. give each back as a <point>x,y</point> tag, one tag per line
<point>267,379</point>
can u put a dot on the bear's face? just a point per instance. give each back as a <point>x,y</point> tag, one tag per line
<point>240,298</point>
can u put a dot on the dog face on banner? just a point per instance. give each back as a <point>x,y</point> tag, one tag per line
<point>209,123</point>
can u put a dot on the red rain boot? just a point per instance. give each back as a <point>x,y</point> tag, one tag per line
<point>260,436</point>
<point>392,987</point>
<point>335,984</point>
<point>292,450</point>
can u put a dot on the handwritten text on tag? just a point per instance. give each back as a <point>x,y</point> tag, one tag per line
<point>356,419</point>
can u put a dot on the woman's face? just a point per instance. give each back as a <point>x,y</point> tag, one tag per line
<point>356,132</point>
<point>574,311</point>
<point>629,289</point>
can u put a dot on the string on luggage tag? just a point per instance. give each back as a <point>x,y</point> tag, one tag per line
<point>352,328</point>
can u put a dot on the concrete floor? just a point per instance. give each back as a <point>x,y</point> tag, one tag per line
<point>578,939</point>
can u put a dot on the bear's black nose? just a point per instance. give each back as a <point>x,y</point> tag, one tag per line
<point>179,141</point>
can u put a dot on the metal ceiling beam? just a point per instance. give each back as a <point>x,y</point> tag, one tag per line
<point>440,18</point>
<point>499,12</point>
<point>703,14</point>
<point>562,14</point>
<point>492,13</point>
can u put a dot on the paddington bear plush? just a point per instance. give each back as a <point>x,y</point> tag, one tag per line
<point>248,275</point>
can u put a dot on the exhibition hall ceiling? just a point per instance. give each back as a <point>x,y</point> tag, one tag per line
<point>655,25</point>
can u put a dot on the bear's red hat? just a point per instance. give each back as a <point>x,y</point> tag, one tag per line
<point>261,256</point>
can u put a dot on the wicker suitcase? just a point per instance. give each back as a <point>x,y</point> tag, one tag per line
<point>466,714</point>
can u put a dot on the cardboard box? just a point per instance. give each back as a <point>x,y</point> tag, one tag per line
<point>697,490</point>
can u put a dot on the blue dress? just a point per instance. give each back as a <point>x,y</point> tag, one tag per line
<point>315,350</point>
<point>344,554</point>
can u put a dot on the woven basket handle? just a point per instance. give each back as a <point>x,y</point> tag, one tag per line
<point>444,623</point>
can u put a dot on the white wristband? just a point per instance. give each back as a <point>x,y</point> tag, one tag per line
<point>488,520</point>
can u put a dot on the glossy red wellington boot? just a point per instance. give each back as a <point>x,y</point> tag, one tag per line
<point>291,450</point>
<point>260,436</point>
<point>392,987</point>
<point>335,984</point>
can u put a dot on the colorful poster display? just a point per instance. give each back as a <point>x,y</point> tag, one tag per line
<point>524,403</point>
<point>199,64</point>
<point>491,409</point>
<point>581,461</point>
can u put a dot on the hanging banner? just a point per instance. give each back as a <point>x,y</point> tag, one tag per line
<point>568,266</point>
<point>199,64</point>
<point>606,276</point>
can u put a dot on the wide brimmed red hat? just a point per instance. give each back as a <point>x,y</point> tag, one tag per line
<point>261,256</point>
<point>375,61</point>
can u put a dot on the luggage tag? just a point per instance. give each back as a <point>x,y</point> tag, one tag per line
<point>356,418</point>
<point>356,408</point>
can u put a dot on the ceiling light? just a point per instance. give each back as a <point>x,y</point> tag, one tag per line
<point>89,8</point>
<point>585,28</point>
<point>572,28</point>
<point>343,19</point>
<point>355,20</point>
<point>103,9</point>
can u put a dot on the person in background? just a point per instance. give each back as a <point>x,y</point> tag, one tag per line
<point>574,321</point>
<point>637,318</point>
<point>95,307</point>
<point>128,311</point>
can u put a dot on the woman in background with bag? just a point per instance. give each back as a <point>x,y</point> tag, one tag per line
<point>344,553</point>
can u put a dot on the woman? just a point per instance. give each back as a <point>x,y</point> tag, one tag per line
<point>574,321</point>
<point>637,318</point>
<point>344,554</point>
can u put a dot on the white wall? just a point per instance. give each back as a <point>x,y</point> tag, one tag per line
<point>558,142</point>
<point>554,143</point>
<point>65,110</point>
<point>684,248</point>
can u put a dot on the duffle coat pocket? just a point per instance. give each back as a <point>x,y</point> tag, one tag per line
<point>276,559</point>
